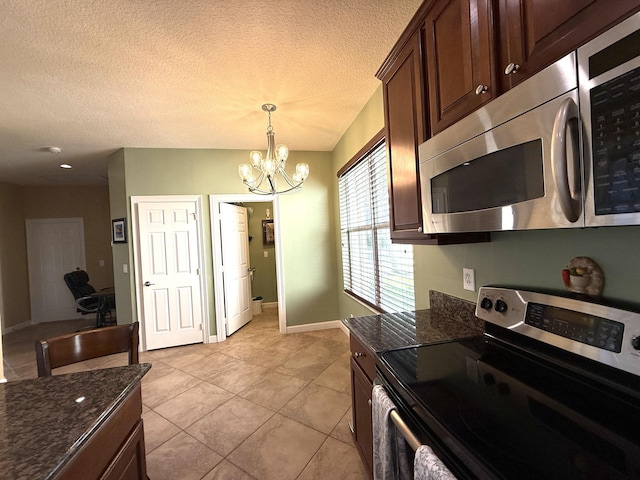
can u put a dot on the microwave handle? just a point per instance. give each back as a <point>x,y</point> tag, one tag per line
<point>564,127</point>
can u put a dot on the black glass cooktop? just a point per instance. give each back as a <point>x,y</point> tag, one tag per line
<point>509,415</point>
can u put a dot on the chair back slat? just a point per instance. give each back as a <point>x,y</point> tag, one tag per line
<point>76,347</point>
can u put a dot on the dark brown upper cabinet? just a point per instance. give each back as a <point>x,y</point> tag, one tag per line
<point>406,127</point>
<point>459,59</point>
<point>451,59</point>
<point>535,33</point>
<point>405,130</point>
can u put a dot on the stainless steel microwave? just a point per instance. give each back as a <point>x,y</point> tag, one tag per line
<point>524,161</point>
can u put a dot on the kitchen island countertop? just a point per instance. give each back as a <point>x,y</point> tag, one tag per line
<point>45,421</point>
<point>448,318</point>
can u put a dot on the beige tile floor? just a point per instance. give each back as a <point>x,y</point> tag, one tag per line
<point>260,405</point>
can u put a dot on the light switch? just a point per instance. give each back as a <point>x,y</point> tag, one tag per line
<point>125,268</point>
<point>266,253</point>
<point>101,263</point>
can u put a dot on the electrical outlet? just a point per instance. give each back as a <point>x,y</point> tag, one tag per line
<point>469,279</point>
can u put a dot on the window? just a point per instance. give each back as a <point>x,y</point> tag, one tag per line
<point>374,270</point>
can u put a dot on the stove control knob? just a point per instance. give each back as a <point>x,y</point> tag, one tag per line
<point>486,303</point>
<point>501,307</point>
<point>489,379</point>
<point>503,389</point>
<point>635,342</point>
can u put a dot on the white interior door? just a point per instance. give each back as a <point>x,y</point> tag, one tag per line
<point>55,246</point>
<point>169,273</point>
<point>234,232</point>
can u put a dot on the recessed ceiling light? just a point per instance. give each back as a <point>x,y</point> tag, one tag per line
<point>54,149</point>
<point>65,165</point>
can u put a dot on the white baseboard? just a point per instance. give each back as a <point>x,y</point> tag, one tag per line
<point>15,328</point>
<point>270,305</point>
<point>311,327</point>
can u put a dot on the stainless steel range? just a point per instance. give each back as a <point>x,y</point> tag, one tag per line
<point>551,390</point>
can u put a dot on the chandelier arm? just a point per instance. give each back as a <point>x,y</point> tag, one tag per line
<point>290,181</point>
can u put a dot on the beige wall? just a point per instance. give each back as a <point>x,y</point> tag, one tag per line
<point>91,203</point>
<point>13,257</point>
<point>19,203</point>
<point>308,231</point>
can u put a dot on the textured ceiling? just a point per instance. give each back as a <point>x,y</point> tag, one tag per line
<point>92,76</point>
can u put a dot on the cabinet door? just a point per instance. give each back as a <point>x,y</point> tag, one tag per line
<point>405,130</point>
<point>459,53</point>
<point>361,389</point>
<point>536,33</point>
<point>130,463</point>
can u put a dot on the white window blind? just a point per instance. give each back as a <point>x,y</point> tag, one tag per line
<point>374,270</point>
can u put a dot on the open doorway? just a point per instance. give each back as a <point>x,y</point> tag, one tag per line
<point>275,250</point>
<point>262,252</point>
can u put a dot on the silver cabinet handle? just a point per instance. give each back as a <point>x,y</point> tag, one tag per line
<point>357,354</point>
<point>566,125</point>
<point>480,89</point>
<point>369,402</point>
<point>511,68</point>
<point>148,284</point>
<point>419,229</point>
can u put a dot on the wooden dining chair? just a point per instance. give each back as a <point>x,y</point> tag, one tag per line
<point>76,347</point>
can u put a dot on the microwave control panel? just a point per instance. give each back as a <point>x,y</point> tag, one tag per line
<point>615,129</point>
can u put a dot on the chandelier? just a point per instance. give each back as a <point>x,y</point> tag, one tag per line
<point>260,175</point>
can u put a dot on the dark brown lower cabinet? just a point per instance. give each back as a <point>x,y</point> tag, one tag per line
<point>116,450</point>
<point>361,388</point>
<point>363,371</point>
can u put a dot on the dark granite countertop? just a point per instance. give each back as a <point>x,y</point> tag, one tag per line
<point>42,425</point>
<point>448,318</point>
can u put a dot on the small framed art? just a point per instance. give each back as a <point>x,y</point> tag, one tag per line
<point>268,237</point>
<point>119,230</point>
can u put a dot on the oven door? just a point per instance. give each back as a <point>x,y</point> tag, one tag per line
<point>523,174</point>
<point>409,420</point>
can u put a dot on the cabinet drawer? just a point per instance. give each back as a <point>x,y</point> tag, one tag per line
<point>364,357</point>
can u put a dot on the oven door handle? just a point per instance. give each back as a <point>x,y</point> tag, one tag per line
<point>566,125</point>
<point>404,430</point>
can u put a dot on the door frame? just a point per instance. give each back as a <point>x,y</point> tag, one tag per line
<point>214,201</point>
<point>137,277</point>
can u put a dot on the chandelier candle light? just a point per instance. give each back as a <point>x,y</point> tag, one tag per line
<point>273,164</point>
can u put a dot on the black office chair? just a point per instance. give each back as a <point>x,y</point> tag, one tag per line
<point>90,301</point>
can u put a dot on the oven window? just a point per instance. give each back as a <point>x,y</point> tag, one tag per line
<point>505,177</point>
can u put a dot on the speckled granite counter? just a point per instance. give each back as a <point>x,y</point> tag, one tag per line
<point>448,318</point>
<point>42,425</point>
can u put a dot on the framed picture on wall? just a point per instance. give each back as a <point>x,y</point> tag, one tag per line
<point>268,238</point>
<point>119,230</point>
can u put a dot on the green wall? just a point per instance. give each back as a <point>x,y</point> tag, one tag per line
<point>264,282</point>
<point>309,253</point>
<point>532,259</point>
<point>367,124</point>
<point>525,258</point>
